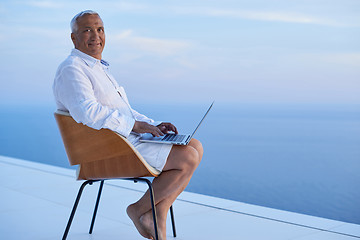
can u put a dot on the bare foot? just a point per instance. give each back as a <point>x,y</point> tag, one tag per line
<point>148,223</point>
<point>131,212</point>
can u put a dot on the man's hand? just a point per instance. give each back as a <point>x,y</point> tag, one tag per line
<point>167,127</point>
<point>143,127</point>
<point>159,130</point>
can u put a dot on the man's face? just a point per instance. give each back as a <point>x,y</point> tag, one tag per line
<point>90,36</point>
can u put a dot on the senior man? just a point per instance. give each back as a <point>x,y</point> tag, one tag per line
<point>84,87</point>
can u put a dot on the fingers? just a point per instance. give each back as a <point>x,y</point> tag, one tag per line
<point>143,127</point>
<point>167,127</point>
<point>172,128</point>
<point>156,131</point>
<point>175,130</point>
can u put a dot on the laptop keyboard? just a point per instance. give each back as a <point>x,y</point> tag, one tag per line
<point>173,138</point>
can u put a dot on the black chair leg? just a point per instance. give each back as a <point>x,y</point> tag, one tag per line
<point>173,220</point>
<point>96,206</point>
<point>152,198</point>
<point>75,206</point>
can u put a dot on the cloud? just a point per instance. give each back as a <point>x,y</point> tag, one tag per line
<point>45,4</point>
<point>159,47</point>
<point>35,32</point>
<point>128,6</point>
<point>310,14</point>
<point>266,16</point>
<point>280,16</point>
<point>344,59</point>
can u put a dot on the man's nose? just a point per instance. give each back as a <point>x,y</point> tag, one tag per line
<point>94,35</point>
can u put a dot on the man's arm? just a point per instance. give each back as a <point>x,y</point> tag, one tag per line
<point>75,91</point>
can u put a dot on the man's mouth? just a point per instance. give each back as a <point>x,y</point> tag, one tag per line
<point>95,44</point>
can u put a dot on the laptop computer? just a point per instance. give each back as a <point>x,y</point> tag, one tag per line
<point>172,138</point>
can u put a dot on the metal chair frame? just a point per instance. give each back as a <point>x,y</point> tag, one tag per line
<point>90,182</point>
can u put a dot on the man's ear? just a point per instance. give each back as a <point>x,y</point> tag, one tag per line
<point>73,39</point>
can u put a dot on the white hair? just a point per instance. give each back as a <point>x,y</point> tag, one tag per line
<point>73,23</point>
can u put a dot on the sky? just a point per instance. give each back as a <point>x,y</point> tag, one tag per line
<point>241,51</point>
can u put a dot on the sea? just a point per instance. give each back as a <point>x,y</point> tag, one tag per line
<point>302,158</point>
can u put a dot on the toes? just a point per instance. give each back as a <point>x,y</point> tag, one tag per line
<point>137,222</point>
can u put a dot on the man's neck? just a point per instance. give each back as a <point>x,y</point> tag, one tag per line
<point>98,57</point>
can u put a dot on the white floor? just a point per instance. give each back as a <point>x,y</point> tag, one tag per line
<point>36,200</point>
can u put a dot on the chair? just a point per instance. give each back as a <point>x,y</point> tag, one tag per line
<point>103,155</point>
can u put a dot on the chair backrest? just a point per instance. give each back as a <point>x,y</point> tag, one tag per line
<point>101,153</point>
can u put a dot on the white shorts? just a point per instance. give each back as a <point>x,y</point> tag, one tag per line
<point>154,154</point>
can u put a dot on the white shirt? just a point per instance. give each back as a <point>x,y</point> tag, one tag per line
<point>84,87</point>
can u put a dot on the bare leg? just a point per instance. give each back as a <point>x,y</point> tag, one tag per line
<point>162,208</point>
<point>178,170</point>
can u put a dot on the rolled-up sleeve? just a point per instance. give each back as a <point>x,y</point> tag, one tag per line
<point>143,118</point>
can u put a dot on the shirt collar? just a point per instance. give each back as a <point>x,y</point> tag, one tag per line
<point>89,60</point>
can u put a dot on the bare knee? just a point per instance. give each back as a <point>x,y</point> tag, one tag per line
<point>185,158</point>
<point>192,155</point>
<point>198,147</point>
<point>191,159</point>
